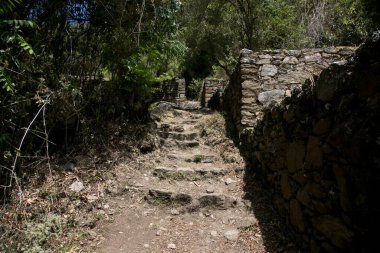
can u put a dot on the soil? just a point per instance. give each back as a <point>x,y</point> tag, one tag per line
<point>189,196</point>
<point>177,185</point>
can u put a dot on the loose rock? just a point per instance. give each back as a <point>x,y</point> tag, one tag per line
<point>77,186</point>
<point>232,235</point>
<point>171,246</point>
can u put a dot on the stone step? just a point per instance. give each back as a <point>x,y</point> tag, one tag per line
<point>188,174</point>
<point>178,136</point>
<point>189,203</point>
<point>169,128</point>
<point>190,122</point>
<point>187,144</point>
<point>196,158</point>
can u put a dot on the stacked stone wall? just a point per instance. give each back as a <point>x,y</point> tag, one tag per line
<point>269,76</point>
<point>174,89</point>
<point>211,88</point>
<point>316,145</point>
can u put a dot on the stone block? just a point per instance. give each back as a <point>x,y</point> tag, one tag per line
<point>295,156</point>
<point>294,77</point>
<point>248,100</point>
<point>322,126</point>
<point>248,71</point>
<point>296,53</point>
<point>334,231</point>
<point>343,188</point>
<point>268,70</point>
<point>330,50</point>
<point>303,197</point>
<point>285,185</point>
<point>250,86</point>
<point>313,58</point>
<point>314,155</point>
<point>300,177</point>
<point>290,60</point>
<point>265,56</point>
<point>296,216</point>
<point>267,97</point>
<point>263,61</point>
<point>315,190</point>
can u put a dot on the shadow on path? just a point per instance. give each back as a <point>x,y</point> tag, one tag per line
<point>275,232</point>
<point>276,235</point>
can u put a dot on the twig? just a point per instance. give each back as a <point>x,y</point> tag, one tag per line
<point>18,150</point>
<point>140,22</point>
<point>46,138</point>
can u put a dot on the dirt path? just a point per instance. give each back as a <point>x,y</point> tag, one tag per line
<point>187,196</point>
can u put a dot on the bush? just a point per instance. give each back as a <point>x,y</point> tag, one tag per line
<point>37,234</point>
<point>194,89</point>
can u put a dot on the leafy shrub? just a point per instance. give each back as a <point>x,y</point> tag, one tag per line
<point>194,89</point>
<point>37,234</point>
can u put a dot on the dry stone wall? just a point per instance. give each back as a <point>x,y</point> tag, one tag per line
<point>269,76</point>
<point>315,146</point>
<point>174,89</point>
<point>211,88</point>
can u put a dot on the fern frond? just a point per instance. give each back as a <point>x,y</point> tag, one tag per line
<point>5,81</point>
<point>18,40</point>
<point>8,5</point>
<point>20,23</point>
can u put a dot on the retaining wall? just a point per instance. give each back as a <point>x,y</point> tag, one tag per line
<point>315,143</point>
<point>174,89</point>
<point>211,88</point>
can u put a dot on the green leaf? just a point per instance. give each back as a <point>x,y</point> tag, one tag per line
<point>8,5</point>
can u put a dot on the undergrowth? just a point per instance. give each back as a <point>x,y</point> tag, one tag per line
<point>214,131</point>
<point>47,216</point>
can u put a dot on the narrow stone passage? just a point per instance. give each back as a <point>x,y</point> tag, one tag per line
<point>187,196</point>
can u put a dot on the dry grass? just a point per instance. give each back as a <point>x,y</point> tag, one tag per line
<point>213,131</point>
<point>53,218</point>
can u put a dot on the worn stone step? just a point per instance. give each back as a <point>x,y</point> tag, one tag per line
<point>196,158</point>
<point>187,144</point>
<point>169,128</point>
<point>178,136</point>
<point>156,196</point>
<point>188,174</point>
<point>190,121</point>
<point>191,203</point>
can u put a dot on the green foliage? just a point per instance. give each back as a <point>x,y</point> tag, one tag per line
<point>8,5</point>
<point>37,234</point>
<point>198,158</point>
<point>278,27</point>
<point>193,90</point>
<point>215,30</point>
<point>372,9</point>
<point>6,81</point>
<point>350,24</point>
<point>210,34</point>
<point>140,72</point>
<point>4,138</point>
<point>14,42</point>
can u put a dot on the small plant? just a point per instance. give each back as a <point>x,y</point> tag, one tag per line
<point>198,158</point>
<point>37,234</point>
<point>194,89</point>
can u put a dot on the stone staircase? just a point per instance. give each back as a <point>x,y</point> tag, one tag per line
<point>196,198</point>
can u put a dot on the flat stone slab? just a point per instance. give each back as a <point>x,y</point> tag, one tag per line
<point>190,203</point>
<point>156,196</point>
<point>178,135</point>
<point>187,144</point>
<point>196,158</point>
<point>188,173</point>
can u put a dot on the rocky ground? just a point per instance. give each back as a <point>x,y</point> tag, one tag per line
<point>177,185</point>
<point>188,195</point>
